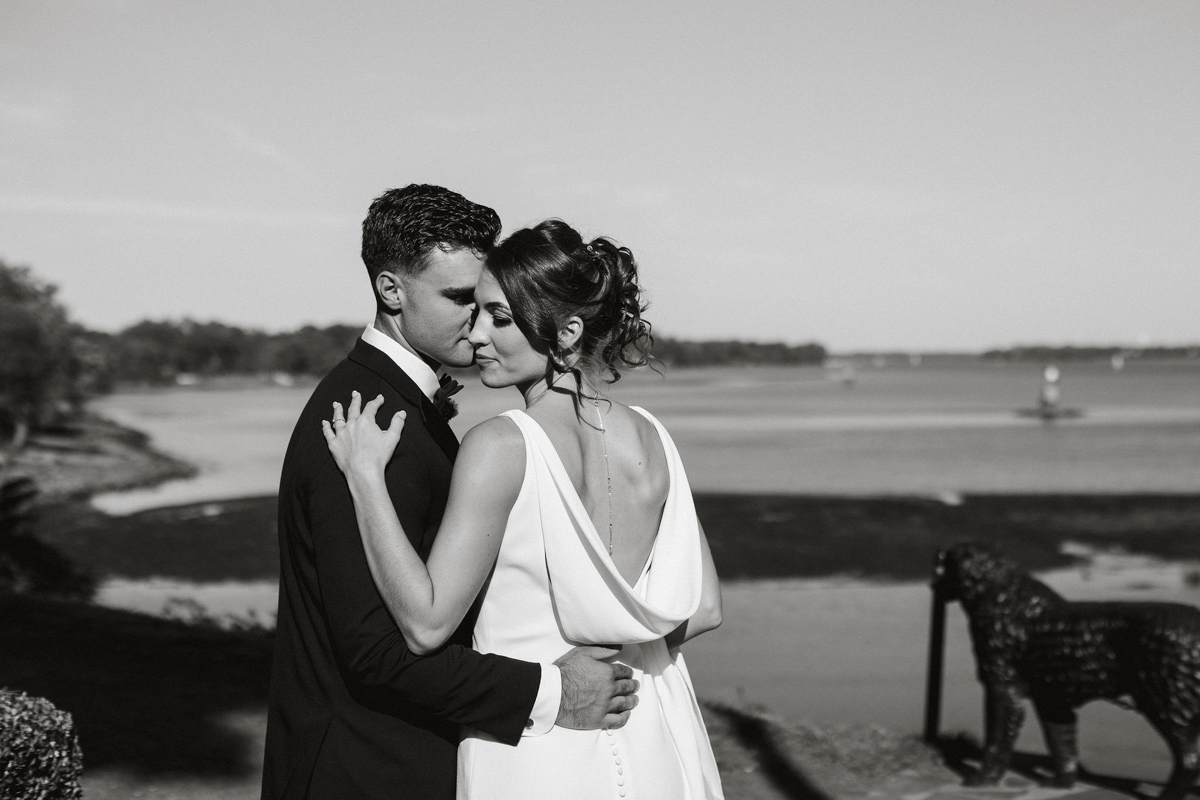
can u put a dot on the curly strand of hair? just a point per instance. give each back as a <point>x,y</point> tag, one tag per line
<point>628,345</point>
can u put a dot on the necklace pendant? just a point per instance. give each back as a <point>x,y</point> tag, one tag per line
<point>607,474</point>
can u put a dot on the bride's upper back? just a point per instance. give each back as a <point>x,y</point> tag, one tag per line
<point>636,468</point>
<point>577,308</point>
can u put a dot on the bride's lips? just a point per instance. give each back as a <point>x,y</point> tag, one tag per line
<point>482,361</point>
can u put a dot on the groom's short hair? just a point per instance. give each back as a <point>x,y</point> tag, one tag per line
<point>404,225</point>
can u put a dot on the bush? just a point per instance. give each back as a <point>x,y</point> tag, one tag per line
<point>40,757</point>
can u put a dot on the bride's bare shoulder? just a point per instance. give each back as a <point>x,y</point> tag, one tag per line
<point>641,420</point>
<point>497,439</point>
<point>648,437</point>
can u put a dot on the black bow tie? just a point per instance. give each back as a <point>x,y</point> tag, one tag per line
<point>447,388</point>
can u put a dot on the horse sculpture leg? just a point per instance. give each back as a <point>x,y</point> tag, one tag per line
<point>1186,769</point>
<point>1060,729</point>
<point>1003,715</point>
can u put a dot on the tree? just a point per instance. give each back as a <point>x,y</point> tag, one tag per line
<point>39,369</point>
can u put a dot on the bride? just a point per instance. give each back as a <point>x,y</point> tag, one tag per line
<point>572,520</point>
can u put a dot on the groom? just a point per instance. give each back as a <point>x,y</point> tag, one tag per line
<point>352,712</point>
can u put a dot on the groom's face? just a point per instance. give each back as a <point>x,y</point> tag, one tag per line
<point>438,305</point>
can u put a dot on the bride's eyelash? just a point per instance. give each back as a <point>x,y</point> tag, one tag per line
<point>501,322</point>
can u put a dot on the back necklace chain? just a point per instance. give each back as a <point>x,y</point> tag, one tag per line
<point>607,474</point>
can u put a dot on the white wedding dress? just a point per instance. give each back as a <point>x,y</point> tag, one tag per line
<point>555,586</point>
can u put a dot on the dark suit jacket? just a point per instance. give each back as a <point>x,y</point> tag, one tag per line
<point>353,713</point>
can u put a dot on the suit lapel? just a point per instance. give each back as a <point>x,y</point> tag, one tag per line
<point>378,362</point>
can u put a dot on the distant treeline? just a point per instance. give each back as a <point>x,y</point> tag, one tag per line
<point>681,353</point>
<point>158,352</point>
<point>1043,353</point>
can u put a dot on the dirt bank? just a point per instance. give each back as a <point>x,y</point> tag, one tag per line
<point>90,455</point>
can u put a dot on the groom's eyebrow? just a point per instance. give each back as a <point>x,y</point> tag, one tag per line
<point>459,293</point>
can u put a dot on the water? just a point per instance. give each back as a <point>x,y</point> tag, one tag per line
<point>236,437</point>
<point>936,430</point>
<point>932,431</point>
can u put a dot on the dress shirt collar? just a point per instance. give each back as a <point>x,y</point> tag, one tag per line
<point>414,367</point>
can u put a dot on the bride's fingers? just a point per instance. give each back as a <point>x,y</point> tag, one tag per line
<point>371,409</point>
<point>355,406</point>
<point>327,431</point>
<point>338,414</point>
<point>391,434</point>
<point>397,424</point>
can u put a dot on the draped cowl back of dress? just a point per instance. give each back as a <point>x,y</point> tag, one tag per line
<point>552,548</point>
<point>595,603</point>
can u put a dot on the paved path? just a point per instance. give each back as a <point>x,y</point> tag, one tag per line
<point>749,770</point>
<point>1015,787</point>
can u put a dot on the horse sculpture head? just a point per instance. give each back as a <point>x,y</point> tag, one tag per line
<point>965,570</point>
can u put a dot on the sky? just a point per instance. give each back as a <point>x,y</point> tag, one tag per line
<point>870,175</point>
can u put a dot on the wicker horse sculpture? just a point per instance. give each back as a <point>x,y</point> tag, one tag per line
<point>1031,643</point>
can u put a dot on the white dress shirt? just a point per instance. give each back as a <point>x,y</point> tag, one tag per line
<point>549,696</point>
<point>412,365</point>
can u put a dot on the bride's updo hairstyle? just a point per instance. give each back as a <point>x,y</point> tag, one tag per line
<point>549,274</point>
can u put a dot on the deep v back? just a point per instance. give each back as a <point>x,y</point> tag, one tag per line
<point>637,502</point>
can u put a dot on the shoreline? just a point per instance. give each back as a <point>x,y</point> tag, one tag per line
<point>89,455</point>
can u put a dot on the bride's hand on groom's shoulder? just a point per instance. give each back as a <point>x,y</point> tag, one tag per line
<point>359,446</point>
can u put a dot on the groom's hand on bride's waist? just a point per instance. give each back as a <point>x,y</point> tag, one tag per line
<point>595,694</point>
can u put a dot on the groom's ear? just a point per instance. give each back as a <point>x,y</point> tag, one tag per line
<point>389,289</point>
